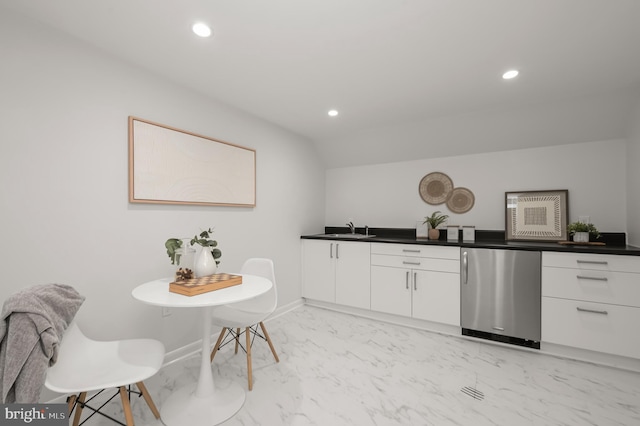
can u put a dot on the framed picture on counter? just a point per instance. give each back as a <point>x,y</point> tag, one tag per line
<point>536,215</point>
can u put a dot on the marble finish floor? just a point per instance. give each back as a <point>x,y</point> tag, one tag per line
<point>338,369</point>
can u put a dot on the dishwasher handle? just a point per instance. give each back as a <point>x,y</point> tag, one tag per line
<point>464,267</point>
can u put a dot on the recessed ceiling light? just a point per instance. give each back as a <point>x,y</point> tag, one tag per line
<point>201,29</point>
<point>333,113</point>
<point>510,74</point>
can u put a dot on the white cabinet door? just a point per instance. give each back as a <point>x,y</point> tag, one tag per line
<point>318,266</point>
<point>391,290</point>
<point>436,296</point>
<point>353,272</point>
<point>591,301</point>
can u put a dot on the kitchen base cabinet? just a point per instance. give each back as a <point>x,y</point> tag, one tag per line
<point>418,282</point>
<point>427,295</point>
<point>591,302</point>
<point>593,326</point>
<point>336,272</point>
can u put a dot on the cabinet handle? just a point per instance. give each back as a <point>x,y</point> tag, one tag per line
<point>331,251</point>
<point>407,280</point>
<point>410,251</point>
<point>593,311</point>
<point>404,262</point>
<point>415,281</point>
<point>594,262</point>
<point>337,251</point>
<point>584,277</point>
<point>465,267</point>
<point>498,328</point>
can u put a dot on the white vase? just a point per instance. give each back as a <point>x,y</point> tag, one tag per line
<point>581,237</point>
<point>205,264</point>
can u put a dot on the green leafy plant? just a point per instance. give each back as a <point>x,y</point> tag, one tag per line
<point>436,219</point>
<point>574,227</point>
<point>203,239</point>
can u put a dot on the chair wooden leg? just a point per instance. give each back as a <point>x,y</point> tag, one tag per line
<point>147,398</point>
<point>237,339</point>
<point>124,396</point>
<point>248,333</point>
<point>266,335</point>
<point>76,418</point>
<point>70,401</point>
<point>217,346</point>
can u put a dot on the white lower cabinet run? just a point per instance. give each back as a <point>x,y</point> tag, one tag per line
<point>591,302</point>
<point>416,281</point>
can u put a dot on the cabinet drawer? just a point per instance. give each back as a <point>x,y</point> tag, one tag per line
<point>416,250</point>
<point>421,263</point>
<point>620,288</point>
<point>596,262</point>
<point>610,329</point>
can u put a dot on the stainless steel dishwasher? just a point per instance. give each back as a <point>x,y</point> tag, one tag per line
<point>500,295</point>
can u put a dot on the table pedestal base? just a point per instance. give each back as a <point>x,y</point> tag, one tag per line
<point>184,408</point>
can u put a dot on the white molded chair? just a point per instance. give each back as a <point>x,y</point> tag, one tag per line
<point>89,366</point>
<point>248,315</point>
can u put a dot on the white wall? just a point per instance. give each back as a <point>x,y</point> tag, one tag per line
<point>386,195</point>
<point>633,180</point>
<point>64,201</point>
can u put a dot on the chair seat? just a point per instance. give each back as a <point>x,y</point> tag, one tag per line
<point>86,365</point>
<point>230,316</point>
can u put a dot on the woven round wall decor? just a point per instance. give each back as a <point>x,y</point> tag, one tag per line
<point>435,188</point>
<point>461,200</point>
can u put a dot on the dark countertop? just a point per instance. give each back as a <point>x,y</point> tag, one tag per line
<point>615,242</point>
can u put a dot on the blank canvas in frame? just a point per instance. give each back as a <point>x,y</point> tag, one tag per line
<point>172,166</point>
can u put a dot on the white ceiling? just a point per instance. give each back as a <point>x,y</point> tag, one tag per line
<point>381,63</point>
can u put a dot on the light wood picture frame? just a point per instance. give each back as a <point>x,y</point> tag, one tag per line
<point>536,215</point>
<point>172,166</point>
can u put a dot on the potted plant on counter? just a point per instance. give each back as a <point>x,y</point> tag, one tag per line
<point>207,260</point>
<point>582,231</point>
<point>436,219</point>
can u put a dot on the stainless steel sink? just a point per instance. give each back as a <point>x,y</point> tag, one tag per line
<point>350,236</point>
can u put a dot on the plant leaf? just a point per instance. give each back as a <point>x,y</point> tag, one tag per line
<point>173,244</point>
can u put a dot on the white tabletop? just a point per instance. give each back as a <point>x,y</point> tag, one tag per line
<point>201,404</point>
<point>157,293</point>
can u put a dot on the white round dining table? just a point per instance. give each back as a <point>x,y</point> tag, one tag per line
<point>201,403</point>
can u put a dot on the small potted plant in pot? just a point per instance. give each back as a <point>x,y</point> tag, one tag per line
<point>582,232</point>
<point>436,219</point>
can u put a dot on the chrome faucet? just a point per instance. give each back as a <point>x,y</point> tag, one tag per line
<point>352,227</point>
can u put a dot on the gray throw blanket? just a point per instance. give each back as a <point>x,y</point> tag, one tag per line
<point>31,328</point>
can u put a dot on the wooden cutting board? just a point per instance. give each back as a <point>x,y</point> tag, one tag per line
<point>195,286</point>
